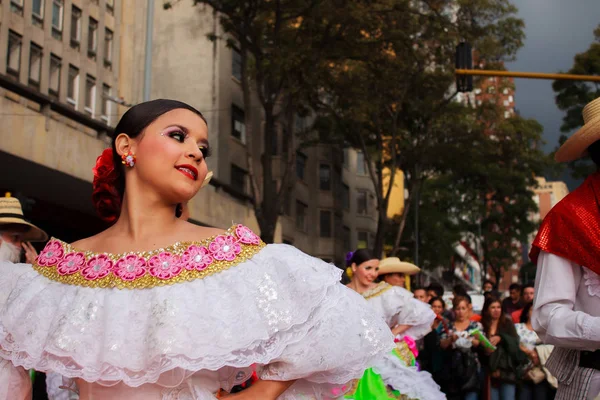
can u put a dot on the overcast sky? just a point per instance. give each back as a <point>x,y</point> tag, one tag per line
<point>556,30</point>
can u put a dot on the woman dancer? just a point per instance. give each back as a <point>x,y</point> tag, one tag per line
<point>395,374</point>
<point>157,308</point>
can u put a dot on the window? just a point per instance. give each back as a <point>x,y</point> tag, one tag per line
<point>301,211</point>
<point>57,19</point>
<point>300,166</point>
<point>35,65</point>
<point>92,38</point>
<point>238,124</point>
<point>346,238</point>
<point>363,240</point>
<point>110,6</point>
<point>54,83</point>
<point>506,114</point>
<point>324,177</point>
<point>491,90</point>
<point>16,6</point>
<point>108,47</point>
<point>506,103</point>
<point>105,111</point>
<point>361,202</point>
<point>361,167</point>
<point>236,64</point>
<point>325,223</point>
<point>90,95</point>
<point>238,178</point>
<point>75,27</point>
<point>37,13</point>
<point>73,86</point>
<point>13,57</point>
<point>346,196</point>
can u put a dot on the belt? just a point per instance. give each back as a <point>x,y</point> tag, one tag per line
<point>589,359</point>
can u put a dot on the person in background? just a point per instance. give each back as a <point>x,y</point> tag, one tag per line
<point>394,272</point>
<point>436,290</point>
<point>432,358</point>
<point>513,302</point>
<point>420,294</point>
<point>527,297</point>
<point>488,286</point>
<point>459,290</point>
<point>501,364</point>
<point>464,368</point>
<point>531,387</point>
<point>472,315</point>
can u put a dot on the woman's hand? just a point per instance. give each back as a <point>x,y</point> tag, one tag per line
<point>495,340</point>
<point>534,357</point>
<point>475,342</point>
<point>400,329</point>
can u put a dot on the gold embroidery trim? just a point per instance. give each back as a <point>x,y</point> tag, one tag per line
<point>148,281</point>
<point>378,290</point>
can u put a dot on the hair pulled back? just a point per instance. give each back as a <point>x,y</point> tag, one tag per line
<point>358,257</point>
<point>109,176</point>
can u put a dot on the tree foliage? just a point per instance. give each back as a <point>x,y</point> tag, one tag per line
<point>572,96</point>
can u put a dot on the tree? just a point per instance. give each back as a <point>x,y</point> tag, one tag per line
<point>278,42</point>
<point>572,96</point>
<point>390,97</point>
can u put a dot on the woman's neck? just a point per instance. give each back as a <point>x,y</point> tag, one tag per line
<point>358,287</point>
<point>145,216</point>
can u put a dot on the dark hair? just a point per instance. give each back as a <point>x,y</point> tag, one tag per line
<point>459,299</point>
<point>594,152</point>
<point>359,257</point>
<point>459,290</point>
<point>469,299</point>
<point>528,285</point>
<point>433,300</point>
<point>486,282</point>
<point>437,288</point>
<point>525,313</point>
<point>136,119</point>
<point>514,286</point>
<point>486,318</point>
<point>109,179</point>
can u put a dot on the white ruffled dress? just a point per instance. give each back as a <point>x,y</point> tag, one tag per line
<point>184,321</point>
<point>397,306</point>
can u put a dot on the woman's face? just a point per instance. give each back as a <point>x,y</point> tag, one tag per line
<point>395,279</point>
<point>171,155</point>
<point>461,311</point>
<point>366,272</point>
<point>437,307</point>
<point>495,310</point>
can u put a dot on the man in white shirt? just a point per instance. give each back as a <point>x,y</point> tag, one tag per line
<point>567,291</point>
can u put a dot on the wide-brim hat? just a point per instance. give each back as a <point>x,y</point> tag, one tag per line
<point>392,265</point>
<point>11,213</point>
<point>576,146</point>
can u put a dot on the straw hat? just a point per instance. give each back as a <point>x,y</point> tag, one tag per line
<point>11,213</point>
<point>576,146</point>
<point>391,265</point>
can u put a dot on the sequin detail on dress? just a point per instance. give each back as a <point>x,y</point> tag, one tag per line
<point>183,261</point>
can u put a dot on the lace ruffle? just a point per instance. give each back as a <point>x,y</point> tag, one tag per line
<point>281,309</point>
<point>592,282</point>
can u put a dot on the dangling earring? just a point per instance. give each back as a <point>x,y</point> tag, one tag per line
<point>128,159</point>
<point>207,179</point>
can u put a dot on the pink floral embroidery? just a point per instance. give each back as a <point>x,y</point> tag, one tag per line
<point>97,267</point>
<point>164,266</point>
<point>196,257</point>
<point>225,248</point>
<point>246,235</point>
<point>72,263</point>
<point>130,267</point>
<point>52,254</point>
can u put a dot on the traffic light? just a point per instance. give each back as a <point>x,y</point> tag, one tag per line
<point>464,60</point>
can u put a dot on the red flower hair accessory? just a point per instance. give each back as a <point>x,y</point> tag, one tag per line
<point>105,195</point>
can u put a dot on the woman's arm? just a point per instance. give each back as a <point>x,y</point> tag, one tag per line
<point>264,390</point>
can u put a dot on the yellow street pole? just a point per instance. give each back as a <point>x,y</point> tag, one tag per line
<point>531,75</point>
